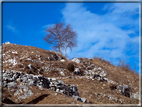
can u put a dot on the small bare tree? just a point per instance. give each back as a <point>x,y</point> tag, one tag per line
<point>61,37</point>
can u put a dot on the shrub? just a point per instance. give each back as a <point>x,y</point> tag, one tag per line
<point>70,67</point>
<point>113,87</point>
<point>29,72</point>
<point>122,64</point>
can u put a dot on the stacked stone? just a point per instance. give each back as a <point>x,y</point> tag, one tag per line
<point>11,78</point>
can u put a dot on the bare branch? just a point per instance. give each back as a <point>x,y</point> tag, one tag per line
<point>60,37</point>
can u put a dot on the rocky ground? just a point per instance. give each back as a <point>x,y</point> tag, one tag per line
<point>36,76</point>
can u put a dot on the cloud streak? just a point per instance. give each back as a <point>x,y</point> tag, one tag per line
<point>12,28</point>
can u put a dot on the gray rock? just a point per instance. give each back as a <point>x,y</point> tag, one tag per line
<point>102,80</point>
<point>57,90</point>
<point>54,79</point>
<point>4,84</point>
<point>86,72</point>
<point>102,74</point>
<point>95,69</point>
<point>24,79</point>
<point>62,91</point>
<point>75,97</point>
<point>76,60</point>
<point>77,71</point>
<point>126,90</point>
<point>61,82</point>
<point>135,95</point>
<point>35,78</point>
<point>53,88</point>
<point>83,100</point>
<point>62,73</point>
<point>30,76</point>
<point>11,85</point>
<point>62,60</point>
<point>31,82</point>
<point>30,66</point>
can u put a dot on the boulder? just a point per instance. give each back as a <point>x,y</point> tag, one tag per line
<point>23,92</point>
<point>74,89</point>
<point>125,90</point>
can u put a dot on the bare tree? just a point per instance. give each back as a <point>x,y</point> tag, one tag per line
<point>61,37</point>
<point>69,38</point>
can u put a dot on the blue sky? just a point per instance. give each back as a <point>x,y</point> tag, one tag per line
<point>106,30</point>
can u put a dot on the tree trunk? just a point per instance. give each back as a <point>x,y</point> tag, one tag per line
<point>65,48</point>
<point>60,46</point>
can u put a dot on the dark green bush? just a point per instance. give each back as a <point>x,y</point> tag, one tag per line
<point>70,67</point>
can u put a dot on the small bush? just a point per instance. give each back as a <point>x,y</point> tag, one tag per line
<point>70,67</point>
<point>113,87</point>
<point>122,64</point>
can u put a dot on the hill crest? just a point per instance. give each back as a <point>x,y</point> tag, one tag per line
<point>95,79</point>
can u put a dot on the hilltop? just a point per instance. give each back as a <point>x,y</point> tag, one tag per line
<point>36,76</point>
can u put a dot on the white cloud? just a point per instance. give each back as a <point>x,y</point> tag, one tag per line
<point>46,26</point>
<point>12,28</point>
<point>104,31</point>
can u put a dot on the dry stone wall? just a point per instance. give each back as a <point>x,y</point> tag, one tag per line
<point>12,79</point>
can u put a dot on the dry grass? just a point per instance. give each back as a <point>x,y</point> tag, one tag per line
<point>86,87</point>
<point>118,74</point>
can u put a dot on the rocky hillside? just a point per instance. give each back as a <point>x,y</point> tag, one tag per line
<point>36,76</point>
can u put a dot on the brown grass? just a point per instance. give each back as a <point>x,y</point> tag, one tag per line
<point>86,87</point>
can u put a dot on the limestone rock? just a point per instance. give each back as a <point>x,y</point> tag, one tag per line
<point>62,73</point>
<point>7,43</point>
<point>126,90</point>
<point>76,60</point>
<point>62,60</point>
<point>135,95</point>
<point>77,71</point>
<point>11,85</point>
